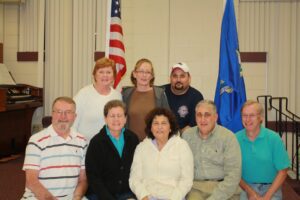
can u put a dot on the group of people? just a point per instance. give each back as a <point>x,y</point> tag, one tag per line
<point>151,143</point>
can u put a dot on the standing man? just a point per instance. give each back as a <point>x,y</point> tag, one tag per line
<point>264,158</point>
<point>182,98</point>
<point>217,157</point>
<point>55,158</point>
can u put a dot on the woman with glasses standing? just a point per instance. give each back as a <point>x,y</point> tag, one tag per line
<point>143,97</point>
<point>91,99</point>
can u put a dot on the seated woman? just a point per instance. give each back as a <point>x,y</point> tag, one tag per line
<point>163,164</point>
<point>109,156</point>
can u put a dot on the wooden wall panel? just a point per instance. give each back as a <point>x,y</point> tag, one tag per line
<point>253,56</point>
<point>27,56</point>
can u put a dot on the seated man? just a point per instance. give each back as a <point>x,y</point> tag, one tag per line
<point>217,156</point>
<point>264,158</point>
<point>55,158</point>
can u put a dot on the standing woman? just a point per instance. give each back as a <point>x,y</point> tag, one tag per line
<point>143,97</point>
<point>91,99</point>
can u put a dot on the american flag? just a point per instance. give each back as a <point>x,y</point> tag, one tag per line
<point>116,46</point>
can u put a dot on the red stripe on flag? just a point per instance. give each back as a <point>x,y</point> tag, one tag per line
<point>117,44</point>
<point>116,28</point>
<point>119,76</point>
<point>116,41</point>
<point>118,59</point>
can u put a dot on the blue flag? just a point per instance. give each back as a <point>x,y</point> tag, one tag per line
<point>230,91</point>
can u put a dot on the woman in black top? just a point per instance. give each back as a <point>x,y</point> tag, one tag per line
<point>109,156</point>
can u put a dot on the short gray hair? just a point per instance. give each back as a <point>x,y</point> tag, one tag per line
<point>207,103</point>
<point>66,99</point>
<point>113,104</point>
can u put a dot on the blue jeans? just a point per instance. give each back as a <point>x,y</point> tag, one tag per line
<point>262,189</point>
<point>123,196</point>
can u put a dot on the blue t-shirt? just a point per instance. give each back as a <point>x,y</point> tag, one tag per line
<point>183,106</point>
<point>263,157</point>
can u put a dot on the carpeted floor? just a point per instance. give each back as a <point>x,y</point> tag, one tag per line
<point>12,181</point>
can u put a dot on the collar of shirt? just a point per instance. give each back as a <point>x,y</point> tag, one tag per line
<point>260,135</point>
<point>210,135</point>
<point>118,143</point>
<point>154,141</point>
<point>53,133</point>
<point>111,136</point>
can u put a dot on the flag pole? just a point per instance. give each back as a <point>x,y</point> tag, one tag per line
<point>108,19</point>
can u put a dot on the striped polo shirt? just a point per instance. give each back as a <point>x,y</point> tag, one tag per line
<point>58,161</point>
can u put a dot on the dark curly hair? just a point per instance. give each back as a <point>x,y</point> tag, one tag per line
<point>161,112</point>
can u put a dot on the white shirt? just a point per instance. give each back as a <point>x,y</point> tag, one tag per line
<point>89,108</point>
<point>165,174</point>
<point>56,159</point>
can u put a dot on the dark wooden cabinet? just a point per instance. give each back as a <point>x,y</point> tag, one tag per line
<point>17,105</point>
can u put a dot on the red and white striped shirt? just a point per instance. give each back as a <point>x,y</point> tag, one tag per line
<point>58,160</point>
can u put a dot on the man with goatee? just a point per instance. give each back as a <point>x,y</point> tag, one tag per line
<point>182,97</point>
<point>55,158</point>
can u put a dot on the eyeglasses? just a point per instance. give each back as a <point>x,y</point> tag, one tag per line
<point>251,116</point>
<point>116,116</point>
<point>204,115</point>
<point>61,112</point>
<point>143,72</point>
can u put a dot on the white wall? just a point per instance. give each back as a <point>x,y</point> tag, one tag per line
<point>23,72</point>
<point>1,22</point>
<point>169,31</point>
<point>274,27</point>
<point>195,36</point>
<point>146,35</point>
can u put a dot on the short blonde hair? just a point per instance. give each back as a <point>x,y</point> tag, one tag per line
<point>250,102</point>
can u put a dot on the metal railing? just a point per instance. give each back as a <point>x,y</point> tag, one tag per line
<point>286,122</point>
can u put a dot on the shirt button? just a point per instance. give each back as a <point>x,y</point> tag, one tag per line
<point>121,168</point>
<point>120,182</point>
